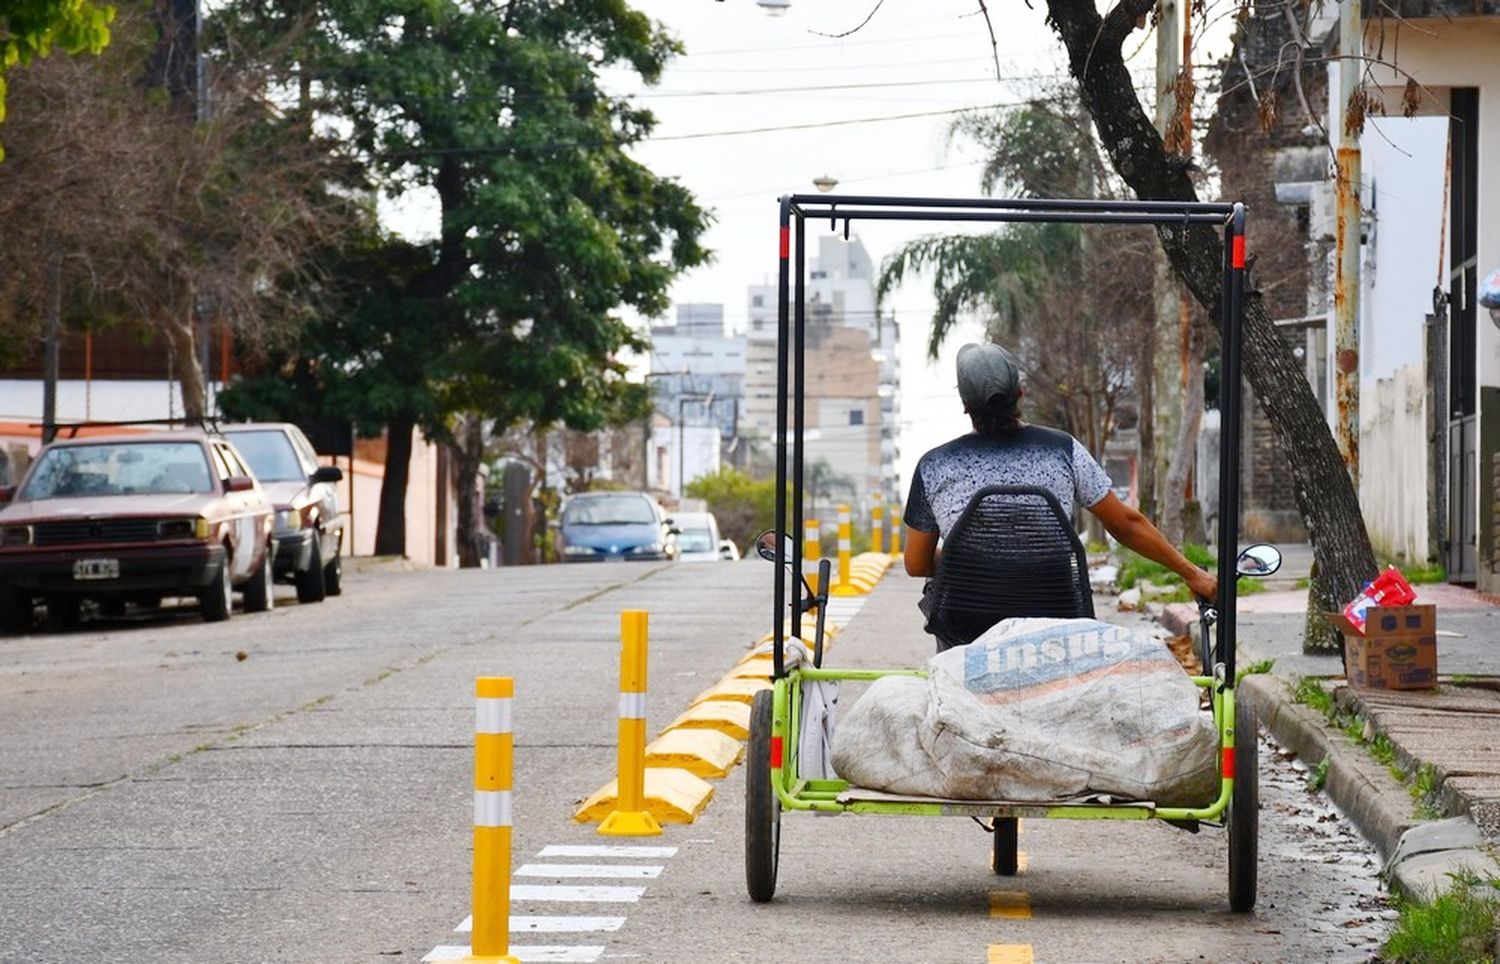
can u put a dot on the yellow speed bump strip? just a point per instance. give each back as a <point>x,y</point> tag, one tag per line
<point>1009,954</point>
<point>733,689</point>
<point>705,753</point>
<point>672,796</point>
<point>731,719</point>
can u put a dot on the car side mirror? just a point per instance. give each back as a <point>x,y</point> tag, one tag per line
<point>7,492</point>
<point>673,530</point>
<point>239,483</point>
<point>327,473</point>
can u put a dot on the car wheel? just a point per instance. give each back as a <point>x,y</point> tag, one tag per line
<point>310,585</point>
<point>258,593</point>
<point>64,612</point>
<point>16,611</point>
<point>333,573</point>
<point>217,600</point>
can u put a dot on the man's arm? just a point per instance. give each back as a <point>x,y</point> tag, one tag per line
<point>920,553</point>
<point>1136,532</point>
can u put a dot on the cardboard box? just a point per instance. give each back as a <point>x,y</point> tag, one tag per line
<point>1397,650</point>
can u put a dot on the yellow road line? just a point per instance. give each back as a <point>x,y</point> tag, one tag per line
<point>1020,861</point>
<point>1013,904</point>
<point>1009,954</point>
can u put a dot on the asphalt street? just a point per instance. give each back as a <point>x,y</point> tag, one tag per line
<point>296,786</point>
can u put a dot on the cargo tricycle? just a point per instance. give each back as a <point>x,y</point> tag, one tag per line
<point>773,784</point>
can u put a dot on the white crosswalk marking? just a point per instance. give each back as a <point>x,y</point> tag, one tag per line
<point>553,925</point>
<point>630,871</point>
<point>582,895</point>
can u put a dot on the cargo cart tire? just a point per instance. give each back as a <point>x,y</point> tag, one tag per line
<point>1244,810</point>
<point>762,808</point>
<point>1004,859</point>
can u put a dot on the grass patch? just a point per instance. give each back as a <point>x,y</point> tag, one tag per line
<point>1456,928</point>
<point>1317,777</point>
<point>1310,693</point>
<point>1096,547</point>
<point>1421,573</point>
<point>1424,793</point>
<point>1263,666</point>
<point>1303,583</point>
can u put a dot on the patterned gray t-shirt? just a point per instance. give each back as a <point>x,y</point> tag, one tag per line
<point>948,476</point>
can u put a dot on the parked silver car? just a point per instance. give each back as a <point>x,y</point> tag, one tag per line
<point>309,530</point>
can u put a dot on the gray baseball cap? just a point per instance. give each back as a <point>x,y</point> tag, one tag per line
<point>984,371</point>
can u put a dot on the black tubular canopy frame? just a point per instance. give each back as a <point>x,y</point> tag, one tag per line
<point>798,209</point>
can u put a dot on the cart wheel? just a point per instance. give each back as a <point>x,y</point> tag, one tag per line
<point>762,808</point>
<point>1244,809</point>
<point>1003,857</point>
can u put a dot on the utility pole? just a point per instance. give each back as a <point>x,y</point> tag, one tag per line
<point>1346,280</point>
<point>1161,358</point>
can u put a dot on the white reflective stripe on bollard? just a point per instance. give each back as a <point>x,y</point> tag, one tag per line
<point>632,706</point>
<point>845,545</point>
<point>492,808</point>
<point>491,715</point>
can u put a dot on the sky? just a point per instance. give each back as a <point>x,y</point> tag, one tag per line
<point>744,72</point>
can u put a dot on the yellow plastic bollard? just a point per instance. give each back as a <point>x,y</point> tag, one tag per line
<point>630,817</point>
<point>896,524</point>
<point>877,525</point>
<point>812,550</point>
<point>846,544</point>
<point>493,749</point>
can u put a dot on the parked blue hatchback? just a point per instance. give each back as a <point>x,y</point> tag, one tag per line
<point>615,527</point>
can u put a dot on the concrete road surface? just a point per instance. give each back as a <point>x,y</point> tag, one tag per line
<point>296,786</point>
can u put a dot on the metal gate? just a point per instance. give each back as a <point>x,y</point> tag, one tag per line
<point>1463,463</point>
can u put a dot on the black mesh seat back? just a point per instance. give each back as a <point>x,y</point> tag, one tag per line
<point>1013,552</point>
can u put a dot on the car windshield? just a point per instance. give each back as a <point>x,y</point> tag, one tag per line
<point>606,510</point>
<point>696,540</point>
<point>121,468</point>
<point>270,455</point>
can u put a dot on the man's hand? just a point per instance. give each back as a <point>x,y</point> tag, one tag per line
<point>1205,585</point>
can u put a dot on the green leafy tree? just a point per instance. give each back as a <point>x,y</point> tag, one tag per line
<point>744,507</point>
<point>544,227</point>
<point>33,28</point>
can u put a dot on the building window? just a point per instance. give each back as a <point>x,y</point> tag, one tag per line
<point>757,301</point>
<point>856,416</point>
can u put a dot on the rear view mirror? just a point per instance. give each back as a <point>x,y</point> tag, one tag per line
<point>1258,560</point>
<point>327,473</point>
<point>765,546</point>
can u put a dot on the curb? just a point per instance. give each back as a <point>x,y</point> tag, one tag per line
<point>1421,856</point>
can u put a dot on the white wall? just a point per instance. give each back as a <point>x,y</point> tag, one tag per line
<point>1404,161</point>
<point>700,455</point>
<point>1393,465</point>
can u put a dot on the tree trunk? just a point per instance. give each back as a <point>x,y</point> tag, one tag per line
<point>1174,487</point>
<point>1145,427</point>
<point>468,455</point>
<point>1325,495</point>
<point>390,527</point>
<point>189,370</point>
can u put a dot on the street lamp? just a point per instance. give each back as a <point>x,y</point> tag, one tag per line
<point>825,183</point>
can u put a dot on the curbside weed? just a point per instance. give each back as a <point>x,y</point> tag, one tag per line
<point>1317,777</point>
<point>1456,927</point>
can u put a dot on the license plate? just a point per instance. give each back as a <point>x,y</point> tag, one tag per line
<point>614,558</point>
<point>96,569</point>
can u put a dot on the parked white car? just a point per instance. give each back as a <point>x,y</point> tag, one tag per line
<point>699,541</point>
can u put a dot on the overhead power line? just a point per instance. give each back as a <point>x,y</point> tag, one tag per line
<point>833,123</point>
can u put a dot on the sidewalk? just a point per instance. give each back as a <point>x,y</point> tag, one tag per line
<point>1446,740</point>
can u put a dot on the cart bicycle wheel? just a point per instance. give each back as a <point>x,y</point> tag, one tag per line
<point>762,808</point>
<point>1004,860</point>
<point>1244,809</point>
